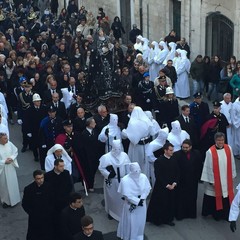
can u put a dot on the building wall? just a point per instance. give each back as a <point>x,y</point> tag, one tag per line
<point>157,18</point>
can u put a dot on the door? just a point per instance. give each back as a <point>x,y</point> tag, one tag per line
<point>219,36</point>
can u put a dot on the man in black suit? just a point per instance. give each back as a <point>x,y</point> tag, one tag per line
<point>187,123</point>
<point>88,151</point>
<point>88,230</point>
<point>74,107</point>
<point>47,96</point>
<point>60,106</point>
<point>79,123</point>
<point>38,203</point>
<point>102,119</point>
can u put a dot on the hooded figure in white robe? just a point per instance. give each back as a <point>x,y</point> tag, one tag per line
<point>171,53</point>
<point>134,188</point>
<point>4,129</point>
<point>182,89</point>
<point>153,146</point>
<point>234,209</point>
<point>155,126</point>
<point>67,98</point>
<point>110,132</point>
<point>51,157</point>
<point>138,45</point>
<point>3,105</point>
<point>9,189</point>
<point>177,58</point>
<point>161,56</point>
<point>226,109</point>
<point>150,62</point>
<point>154,67</point>
<point>138,132</point>
<point>177,135</point>
<point>235,117</point>
<point>3,111</point>
<point>145,49</point>
<point>113,166</point>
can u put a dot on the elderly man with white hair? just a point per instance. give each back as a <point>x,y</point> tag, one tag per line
<point>113,167</point>
<point>138,132</point>
<point>57,152</point>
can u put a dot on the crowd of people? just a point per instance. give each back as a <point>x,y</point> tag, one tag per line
<point>84,104</point>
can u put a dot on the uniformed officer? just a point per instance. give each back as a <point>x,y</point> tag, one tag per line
<point>50,128</point>
<point>159,93</point>
<point>145,88</point>
<point>25,102</point>
<point>35,115</point>
<point>199,110</point>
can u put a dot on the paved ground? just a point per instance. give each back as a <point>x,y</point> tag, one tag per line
<point>13,222</point>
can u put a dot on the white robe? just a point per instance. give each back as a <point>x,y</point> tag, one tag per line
<point>150,61</point>
<point>154,66</point>
<point>234,210</point>
<point>4,129</point>
<point>235,116</point>
<point>3,111</point>
<point>114,134</point>
<point>153,146</point>
<point>182,89</point>
<point>3,104</point>
<point>177,139</point>
<point>208,175</point>
<point>49,163</point>
<point>171,54</point>
<point>226,110</point>
<point>132,224</point>
<point>9,189</point>
<point>161,56</point>
<point>113,200</point>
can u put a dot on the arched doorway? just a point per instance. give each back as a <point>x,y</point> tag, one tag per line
<point>219,36</point>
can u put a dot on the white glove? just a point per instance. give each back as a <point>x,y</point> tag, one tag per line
<point>148,100</point>
<point>19,121</point>
<point>29,135</point>
<point>44,146</point>
<point>124,134</point>
<point>156,111</point>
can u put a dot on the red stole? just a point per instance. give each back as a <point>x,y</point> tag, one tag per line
<point>217,180</point>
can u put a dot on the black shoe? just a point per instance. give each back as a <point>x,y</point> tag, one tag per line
<point>24,149</point>
<point>110,217</point>
<point>4,205</point>
<point>171,224</point>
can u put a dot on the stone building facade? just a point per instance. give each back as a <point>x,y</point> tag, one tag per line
<point>210,27</point>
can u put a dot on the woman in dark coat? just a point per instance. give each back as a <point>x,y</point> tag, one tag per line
<point>117,28</point>
<point>214,78</point>
<point>206,71</point>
